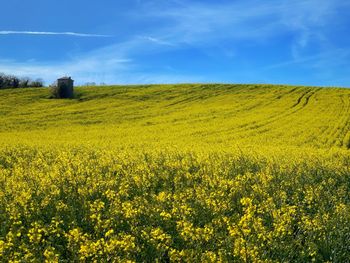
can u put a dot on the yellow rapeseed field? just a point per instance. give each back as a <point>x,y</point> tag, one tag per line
<point>179,173</point>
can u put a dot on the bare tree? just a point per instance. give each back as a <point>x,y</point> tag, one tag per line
<point>24,82</point>
<point>37,83</point>
<point>10,81</point>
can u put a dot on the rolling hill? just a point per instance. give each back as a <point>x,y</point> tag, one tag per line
<point>175,173</point>
<point>195,115</point>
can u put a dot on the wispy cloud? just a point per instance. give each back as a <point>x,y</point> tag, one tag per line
<point>305,23</point>
<point>157,41</point>
<point>111,64</point>
<point>95,70</point>
<point>206,23</point>
<point>90,68</point>
<point>200,24</point>
<point>8,32</point>
<point>330,59</point>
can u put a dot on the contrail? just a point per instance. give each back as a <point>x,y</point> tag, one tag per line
<point>51,33</point>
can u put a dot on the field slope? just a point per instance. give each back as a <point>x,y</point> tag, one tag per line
<point>191,172</point>
<point>180,114</point>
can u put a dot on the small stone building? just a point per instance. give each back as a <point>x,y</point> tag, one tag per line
<point>65,87</point>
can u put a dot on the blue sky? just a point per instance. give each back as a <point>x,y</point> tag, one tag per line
<point>305,42</point>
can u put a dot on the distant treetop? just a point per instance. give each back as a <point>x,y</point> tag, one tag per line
<point>10,81</point>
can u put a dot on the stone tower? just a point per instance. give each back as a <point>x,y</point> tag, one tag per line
<point>65,87</point>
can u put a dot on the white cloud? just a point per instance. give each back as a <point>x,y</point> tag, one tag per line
<point>110,64</point>
<point>51,33</point>
<point>199,23</point>
<point>255,21</point>
<point>157,41</point>
<point>181,23</point>
<point>331,59</point>
<point>90,68</point>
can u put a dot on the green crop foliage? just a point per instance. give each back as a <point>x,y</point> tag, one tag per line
<point>180,173</point>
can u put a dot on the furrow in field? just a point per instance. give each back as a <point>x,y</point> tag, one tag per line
<point>283,121</point>
<point>284,116</point>
<point>300,98</point>
<point>336,113</point>
<point>287,93</point>
<point>306,98</point>
<point>341,134</point>
<point>267,118</point>
<point>243,106</point>
<point>342,119</point>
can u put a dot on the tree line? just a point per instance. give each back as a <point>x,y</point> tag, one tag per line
<point>10,81</point>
